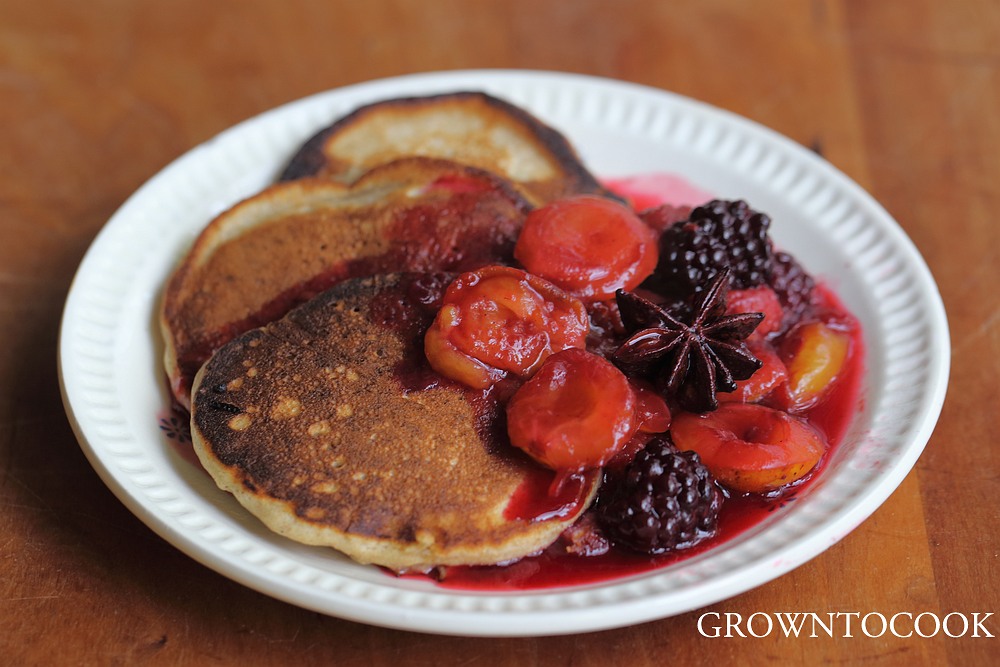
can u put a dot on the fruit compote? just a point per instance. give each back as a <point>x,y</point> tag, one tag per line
<point>714,381</point>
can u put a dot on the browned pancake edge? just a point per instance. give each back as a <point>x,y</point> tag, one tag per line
<point>282,246</point>
<point>568,175</point>
<point>307,423</point>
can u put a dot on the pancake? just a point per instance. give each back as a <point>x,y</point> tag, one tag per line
<point>291,241</point>
<point>468,127</point>
<point>329,427</point>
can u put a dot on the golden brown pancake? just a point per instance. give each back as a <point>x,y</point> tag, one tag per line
<point>329,427</point>
<point>468,127</point>
<point>286,244</point>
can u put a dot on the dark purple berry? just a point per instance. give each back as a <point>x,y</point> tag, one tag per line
<point>665,500</point>
<point>716,236</point>
<point>793,286</point>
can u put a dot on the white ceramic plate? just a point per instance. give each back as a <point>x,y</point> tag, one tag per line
<point>115,397</point>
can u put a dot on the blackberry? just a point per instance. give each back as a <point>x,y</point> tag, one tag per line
<point>665,500</point>
<point>793,286</point>
<point>717,235</point>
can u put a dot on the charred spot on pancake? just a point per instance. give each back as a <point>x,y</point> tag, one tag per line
<point>224,407</point>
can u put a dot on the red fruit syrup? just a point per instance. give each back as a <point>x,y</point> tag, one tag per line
<point>555,567</point>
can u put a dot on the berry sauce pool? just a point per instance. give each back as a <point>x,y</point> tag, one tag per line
<point>554,567</point>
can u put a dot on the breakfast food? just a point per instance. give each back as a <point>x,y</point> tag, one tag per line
<point>666,500</point>
<point>473,128</point>
<point>501,321</point>
<point>589,246</point>
<point>441,365</point>
<point>750,448</point>
<point>306,423</point>
<point>288,243</point>
<point>715,235</point>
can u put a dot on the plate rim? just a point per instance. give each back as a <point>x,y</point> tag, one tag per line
<point>564,611</point>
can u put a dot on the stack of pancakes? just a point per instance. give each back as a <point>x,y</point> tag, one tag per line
<point>294,326</point>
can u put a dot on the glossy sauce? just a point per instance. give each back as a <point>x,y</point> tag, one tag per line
<point>544,495</point>
<point>554,567</point>
<point>832,415</point>
<point>411,307</point>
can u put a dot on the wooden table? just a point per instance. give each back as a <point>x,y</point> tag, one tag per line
<point>96,97</point>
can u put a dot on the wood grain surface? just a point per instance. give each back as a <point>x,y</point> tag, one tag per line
<point>95,97</point>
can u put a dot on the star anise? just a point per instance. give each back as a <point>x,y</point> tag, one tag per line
<point>691,358</point>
